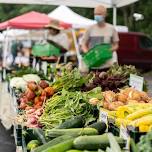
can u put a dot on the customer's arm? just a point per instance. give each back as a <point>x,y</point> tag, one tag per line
<point>115,40</point>
<point>115,46</point>
<point>85,40</point>
<point>85,48</point>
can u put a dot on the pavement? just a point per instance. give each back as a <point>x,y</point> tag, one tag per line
<point>7,143</point>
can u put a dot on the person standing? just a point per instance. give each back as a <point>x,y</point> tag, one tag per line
<point>100,33</point>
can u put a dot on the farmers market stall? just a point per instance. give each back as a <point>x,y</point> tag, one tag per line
<point>30,20</point>
<point>75,111</point>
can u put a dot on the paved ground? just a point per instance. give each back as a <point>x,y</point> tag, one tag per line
<point>7,143</point>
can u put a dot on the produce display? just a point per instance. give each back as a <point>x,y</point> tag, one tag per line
<point>63,115</point>
<point>115,78</point>
<point>144,144</point>
<point>71,80</point>
<point>129,108</point>
<point>67,105</point>
<point>76,139</point>
<point>26,70</point>
<point>31,101</point>
<point>112,101</point>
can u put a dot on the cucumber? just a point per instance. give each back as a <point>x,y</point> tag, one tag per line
<point>95,142</point>
<point>76,122</point>
<point>100,126</point>
<point>39,134</point>
<point>73,132</point>
<point>133,146</point>
<point>74,150</point>
<point>61,147</point>
<point>52,143</point>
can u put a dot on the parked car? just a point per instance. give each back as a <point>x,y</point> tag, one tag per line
<point>136,49</point>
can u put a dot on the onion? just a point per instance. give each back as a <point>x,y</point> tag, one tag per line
<point>30,94</point>
<point>43,84</point>
<point>32,86</point>
<point>30,111</point>
<point>22,105</point>
<point>32,120</point>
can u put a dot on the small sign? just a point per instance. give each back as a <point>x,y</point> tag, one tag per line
<point>103,116</point>
<point>136,82</point>
<point>123,132</point>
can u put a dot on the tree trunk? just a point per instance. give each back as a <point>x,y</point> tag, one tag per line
<point>125,15</point>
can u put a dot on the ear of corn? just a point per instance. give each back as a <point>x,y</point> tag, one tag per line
<point>144,128</point>
<point>139,114</point>
<point>146,120</point>
<point>123,111</point>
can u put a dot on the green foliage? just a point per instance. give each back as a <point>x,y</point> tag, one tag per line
<point>143,7</point>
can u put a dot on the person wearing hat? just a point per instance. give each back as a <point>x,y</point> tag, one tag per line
<point>56,35</point>
<point>100,33</point>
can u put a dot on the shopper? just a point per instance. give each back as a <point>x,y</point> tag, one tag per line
<point>57,35</point>
<point>100,33</point>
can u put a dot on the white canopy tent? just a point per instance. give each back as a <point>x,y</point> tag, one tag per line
<point>78,3</point>
<point>65,14</point>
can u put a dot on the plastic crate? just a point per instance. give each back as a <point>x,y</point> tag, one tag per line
<point>47,49</point>
<point>98,55</point>
<point>135,134</point>
<point>132,131</point>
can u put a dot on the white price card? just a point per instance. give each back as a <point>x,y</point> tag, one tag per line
<point>136,82</point>
<point>123,132</point>
<point>103,116</point>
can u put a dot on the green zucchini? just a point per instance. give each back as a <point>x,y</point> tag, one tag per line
<point>74,132</point>
<point>61,147</point>
<point>76,122</point>
<point>33,144</point>
<point>52,143</point>
<point>133,146</point>
<point>100,126</point>
<point>95,142</point>
<point>39,134</point>
<point>74,150</point>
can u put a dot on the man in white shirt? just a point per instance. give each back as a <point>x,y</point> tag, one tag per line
<point>99,33</point>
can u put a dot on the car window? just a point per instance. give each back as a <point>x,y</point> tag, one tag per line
<point>145,42</point>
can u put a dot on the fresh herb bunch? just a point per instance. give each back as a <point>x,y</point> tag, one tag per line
<point>71,80</point>
<point>122,71</point>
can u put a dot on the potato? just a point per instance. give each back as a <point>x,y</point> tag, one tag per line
<point>132,101</point>
<point>122,97</point>
<point>109,96</point>
<point>136,96</point>
<point>144,96</point>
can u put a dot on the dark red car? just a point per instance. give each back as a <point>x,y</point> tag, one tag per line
<point>136,49</point>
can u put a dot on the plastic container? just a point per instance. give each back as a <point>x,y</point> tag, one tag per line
<point>46,49</point>
<point>98,55</point>
<point>135,134</point>
<point>132,131</point>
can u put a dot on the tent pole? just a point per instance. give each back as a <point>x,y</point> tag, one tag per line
<point>114,15</point>
<point>76,44</point>
<point>5,49</point>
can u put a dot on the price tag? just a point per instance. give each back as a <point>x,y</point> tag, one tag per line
<point>136,82</point>
<point>124,134</point>
<point>103,116</point>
